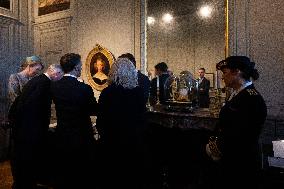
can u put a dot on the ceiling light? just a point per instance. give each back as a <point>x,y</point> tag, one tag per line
<point>150,20</point>
<point>167,18</point>
<point>205,11</point>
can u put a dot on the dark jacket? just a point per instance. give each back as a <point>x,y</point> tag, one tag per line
<point>163,96</point>
<point>203,95</point>
<point>240,123</point>
<point>144,83</point>
<point>31,111</point>
<point>74,104</point>
<point>120,123</point>
<point>30,114</point>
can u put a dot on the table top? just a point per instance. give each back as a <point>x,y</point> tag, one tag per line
<point>184,118</point>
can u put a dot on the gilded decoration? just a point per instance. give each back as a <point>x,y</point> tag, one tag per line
<point>98,63</point>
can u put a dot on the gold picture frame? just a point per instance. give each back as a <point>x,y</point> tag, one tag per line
<point>106,58</point>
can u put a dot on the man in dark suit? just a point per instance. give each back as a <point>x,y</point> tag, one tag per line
<point>162,74</point>
<point>143,80</point>
<point>203,89</point>
<point>74,104</point>
<point>30,115</point>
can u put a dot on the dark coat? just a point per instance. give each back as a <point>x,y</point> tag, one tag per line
<point>153,89</point>
<point>203,95</point>
<point>74,104</point>
<point>144,84</point>
<point>30,113</point>
<point>240,123</point>
<point>120,123</point>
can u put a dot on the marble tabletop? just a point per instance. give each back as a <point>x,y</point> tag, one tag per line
<point>184,118</point>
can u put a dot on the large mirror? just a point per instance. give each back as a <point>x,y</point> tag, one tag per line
<point>186,34</point>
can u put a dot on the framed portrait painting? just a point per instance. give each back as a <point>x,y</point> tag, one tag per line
<point>6,4</point>
<point>51,6</point>
<point>98,64</point>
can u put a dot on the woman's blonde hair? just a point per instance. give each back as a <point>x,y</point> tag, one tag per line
<point>123,73</point>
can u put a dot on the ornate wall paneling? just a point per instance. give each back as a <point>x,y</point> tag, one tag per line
<point>52,39</point>
<point>52,29</point>
<point>12,41</point>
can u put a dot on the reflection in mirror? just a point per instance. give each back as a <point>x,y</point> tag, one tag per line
<point>186,34</point>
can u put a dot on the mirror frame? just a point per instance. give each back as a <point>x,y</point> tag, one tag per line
<point>226,28</point>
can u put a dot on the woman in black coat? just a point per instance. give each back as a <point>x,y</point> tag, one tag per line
<point>120,123</point>
<point>240,123</point>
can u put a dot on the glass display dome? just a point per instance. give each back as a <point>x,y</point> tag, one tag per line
<point>181,88</point>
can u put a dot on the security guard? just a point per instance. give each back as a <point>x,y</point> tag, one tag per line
<point>240,124</point>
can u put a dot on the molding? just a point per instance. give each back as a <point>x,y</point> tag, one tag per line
<point>13,11</point>
<point>60,22</point>
<point>51,16</point>
<point>4,19</point>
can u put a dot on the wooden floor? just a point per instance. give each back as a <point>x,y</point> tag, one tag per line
<point>6,178</point>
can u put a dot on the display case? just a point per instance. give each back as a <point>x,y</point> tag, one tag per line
<point>181,88</point>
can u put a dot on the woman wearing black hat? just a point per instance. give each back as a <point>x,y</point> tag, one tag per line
<point>240,123</point>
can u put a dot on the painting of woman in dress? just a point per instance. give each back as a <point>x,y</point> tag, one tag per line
<point>97,67</point>
<point>100,69</point>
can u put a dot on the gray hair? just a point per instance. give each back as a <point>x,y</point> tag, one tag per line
<point>123,73</point>
<point>55,67</point>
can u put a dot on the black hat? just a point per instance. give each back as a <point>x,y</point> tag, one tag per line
<point>242,63</point>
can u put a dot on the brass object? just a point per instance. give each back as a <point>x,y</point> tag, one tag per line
<point>216,103</point>
<point>226,28</point>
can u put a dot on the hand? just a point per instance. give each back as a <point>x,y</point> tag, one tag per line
<point>212,150</point>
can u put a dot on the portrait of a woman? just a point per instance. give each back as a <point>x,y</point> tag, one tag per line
<point>100,69</point>
<point>97,67</point>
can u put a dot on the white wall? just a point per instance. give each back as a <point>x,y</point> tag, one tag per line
<point>257,30</point>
